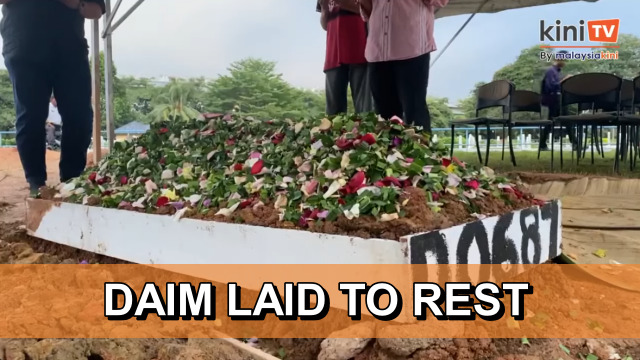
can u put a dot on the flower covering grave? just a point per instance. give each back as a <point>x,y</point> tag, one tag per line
<point>358,175</point>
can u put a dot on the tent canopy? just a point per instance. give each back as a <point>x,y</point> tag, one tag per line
<point>461,7</point>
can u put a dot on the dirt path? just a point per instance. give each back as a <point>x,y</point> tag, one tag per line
<point>17,247</point>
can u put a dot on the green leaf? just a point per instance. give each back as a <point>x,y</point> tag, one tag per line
<point>525,341</point>
<point>592,357</point>
<point>565,349</point>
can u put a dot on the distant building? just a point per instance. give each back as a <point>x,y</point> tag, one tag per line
<point>161,81</point>
<point>131,130</point>
<point>457,111</point>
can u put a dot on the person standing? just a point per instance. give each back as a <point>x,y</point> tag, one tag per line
<point>345,64</point>
<point>45,52</point>
<point>398,51</point>
<point>550,97</point>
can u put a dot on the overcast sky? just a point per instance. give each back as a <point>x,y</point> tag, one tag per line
<point>201,37</point>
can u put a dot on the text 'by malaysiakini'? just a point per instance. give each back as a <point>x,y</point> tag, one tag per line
<point>310,301</point>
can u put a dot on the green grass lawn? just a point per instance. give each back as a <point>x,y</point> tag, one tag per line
<point>528,161</point>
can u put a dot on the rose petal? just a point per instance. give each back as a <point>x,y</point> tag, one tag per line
<point>333,188</point>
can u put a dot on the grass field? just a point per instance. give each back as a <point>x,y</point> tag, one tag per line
<point>528,161</point>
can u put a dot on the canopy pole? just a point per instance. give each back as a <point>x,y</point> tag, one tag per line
<point>95,74</point>
<point>110,17</point>
<point>458,33</point>
<point>124,17</point>
<point>108,76</point>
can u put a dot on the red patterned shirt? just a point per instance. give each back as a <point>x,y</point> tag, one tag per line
<point>346,37</point>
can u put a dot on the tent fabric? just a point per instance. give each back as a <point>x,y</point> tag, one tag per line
<point>461,7</point>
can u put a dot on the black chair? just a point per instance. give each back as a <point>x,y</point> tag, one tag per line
<point>602,90</point>
<point>626,106</point>
<point>528,101</point>
<point>494,94</point>
<point>631,120</point>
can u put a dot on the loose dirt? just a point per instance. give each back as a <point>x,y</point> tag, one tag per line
<point>17,247</point>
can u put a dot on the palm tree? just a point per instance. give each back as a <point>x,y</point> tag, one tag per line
<point>173,102</point>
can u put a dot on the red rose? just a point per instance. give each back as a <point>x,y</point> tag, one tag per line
<point>257,167</point>
<point>103,180</point>
<point>446,162</point>
<point>357,180</point>
<point>396,120</point>
<point>342,202</point>
<point>124,180</point>
<point>163,130</point>
<point>238,167</point>
<point>162,201</point>
<point>344,144</point>
<point>390,180</point>
<point>92,176</point>
<point>369,138</point>
<point>277,138</point>
<point>162,161</point>
<point>230,142</point>
<point>245,203</point>
<point>474,184</point>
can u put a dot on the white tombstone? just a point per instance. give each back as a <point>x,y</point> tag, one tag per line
<point>435,138</point>
<point>528,141</point>
<point>479,139</point>
<point>608,138</point>
<point>459,141</point>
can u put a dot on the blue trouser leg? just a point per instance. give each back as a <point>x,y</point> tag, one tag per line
<point>72,90</point>
<point>32,87</point>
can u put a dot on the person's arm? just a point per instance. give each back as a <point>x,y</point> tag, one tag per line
<point>323,20</point>
<point>350,5</point>
<point>89,9</point>
<point>323,6</point>
<point>92,10</point>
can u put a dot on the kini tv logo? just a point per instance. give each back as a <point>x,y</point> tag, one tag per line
<point>594,31</point>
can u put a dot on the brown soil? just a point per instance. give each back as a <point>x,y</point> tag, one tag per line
<point>419,217</point>
<point>533,178</point>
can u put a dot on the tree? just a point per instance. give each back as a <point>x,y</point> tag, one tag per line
<point>255,87</point>
<point>440,112</point>
<point>122,107</point>
<point>174,102</point>
<point>7,109</point>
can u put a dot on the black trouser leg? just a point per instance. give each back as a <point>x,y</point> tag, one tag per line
<point>412,79</point>
<point>32,87</point>
<point>337,81</point>
<point>554,112</point>
<point>72,90</point>
<point>383,89</point>
<point>360,89</point>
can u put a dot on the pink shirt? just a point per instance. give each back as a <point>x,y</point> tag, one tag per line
<point>400,29</point>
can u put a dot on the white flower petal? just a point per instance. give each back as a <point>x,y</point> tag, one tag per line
<point>167,174</point>
<point>389,217</point>
<point>333,188</point>
<point>150,186</point>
